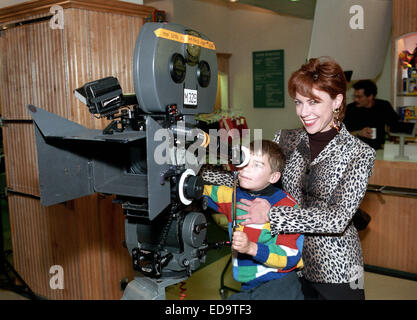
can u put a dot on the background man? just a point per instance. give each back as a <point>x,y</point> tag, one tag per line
<point>367,112</point>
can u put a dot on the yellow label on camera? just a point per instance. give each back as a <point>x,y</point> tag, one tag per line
<point>184,38</point>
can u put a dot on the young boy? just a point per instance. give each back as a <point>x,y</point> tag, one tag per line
<point>265,265</point>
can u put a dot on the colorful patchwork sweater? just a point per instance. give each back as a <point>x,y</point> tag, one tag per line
<point>277,255</point>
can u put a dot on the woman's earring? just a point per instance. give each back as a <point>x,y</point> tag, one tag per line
<point>336,121</point>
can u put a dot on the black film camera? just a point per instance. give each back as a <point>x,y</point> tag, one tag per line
<point>175,78</point>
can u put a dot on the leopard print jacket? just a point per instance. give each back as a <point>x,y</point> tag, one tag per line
<point>329,190</point>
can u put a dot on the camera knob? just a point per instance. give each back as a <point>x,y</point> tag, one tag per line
<point>190,187</point>
<point>193,187</point>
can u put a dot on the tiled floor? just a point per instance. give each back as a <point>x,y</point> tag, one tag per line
<point>204,285</point>
<point>9,295</point>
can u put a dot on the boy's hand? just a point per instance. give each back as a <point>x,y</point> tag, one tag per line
<point>241,243</point>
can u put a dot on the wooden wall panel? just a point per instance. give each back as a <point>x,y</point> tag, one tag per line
<point>394,174</point>
<point>111,50</point>
<point>62,237</point>
<point>34,7</point>
<point>389,240</point>
<point>89,254</point>
<point>16,75</point>
<point>136,25</point>
<point>404,20</point>
<point>83,238</point>
<point>31,253</point>
<point>109,53</point>
<point>48,72</point>
<point>404,17</point>
<point>21,158</point>
<point>78,62</point>
<point>111,221</point>
<point>43,66</point>
<point>28,50</point>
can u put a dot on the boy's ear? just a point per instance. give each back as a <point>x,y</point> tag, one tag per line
<point>274,177</point>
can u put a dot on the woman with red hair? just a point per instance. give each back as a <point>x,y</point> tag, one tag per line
<point>327,172</point>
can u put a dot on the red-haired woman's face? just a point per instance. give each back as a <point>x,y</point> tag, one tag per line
<point>317,114</point>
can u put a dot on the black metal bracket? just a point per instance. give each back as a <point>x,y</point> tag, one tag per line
<point>395,191</point>
<point>5,27</point>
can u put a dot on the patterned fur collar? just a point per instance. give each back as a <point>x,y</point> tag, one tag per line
<point>335,148</point>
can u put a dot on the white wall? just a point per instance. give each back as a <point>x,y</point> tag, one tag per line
<point>354,32</point>
<point>258,31</point>
<point>383,80</point>
<point>210,18</point>
<point>367,51</point>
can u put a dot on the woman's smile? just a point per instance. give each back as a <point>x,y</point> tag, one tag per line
<point>309,123</point>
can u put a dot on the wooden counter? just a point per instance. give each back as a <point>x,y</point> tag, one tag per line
<point>390,239</point>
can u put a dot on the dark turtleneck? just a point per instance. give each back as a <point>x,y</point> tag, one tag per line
<point>319,140</point>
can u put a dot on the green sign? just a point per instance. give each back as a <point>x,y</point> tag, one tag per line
<point>268,79</point>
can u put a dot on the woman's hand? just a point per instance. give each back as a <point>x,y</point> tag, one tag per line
<point>257,210</point>
<point>241,243</point>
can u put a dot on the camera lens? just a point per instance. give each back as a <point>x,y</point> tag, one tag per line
<point>177,68</point>
<point>203,74</point>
